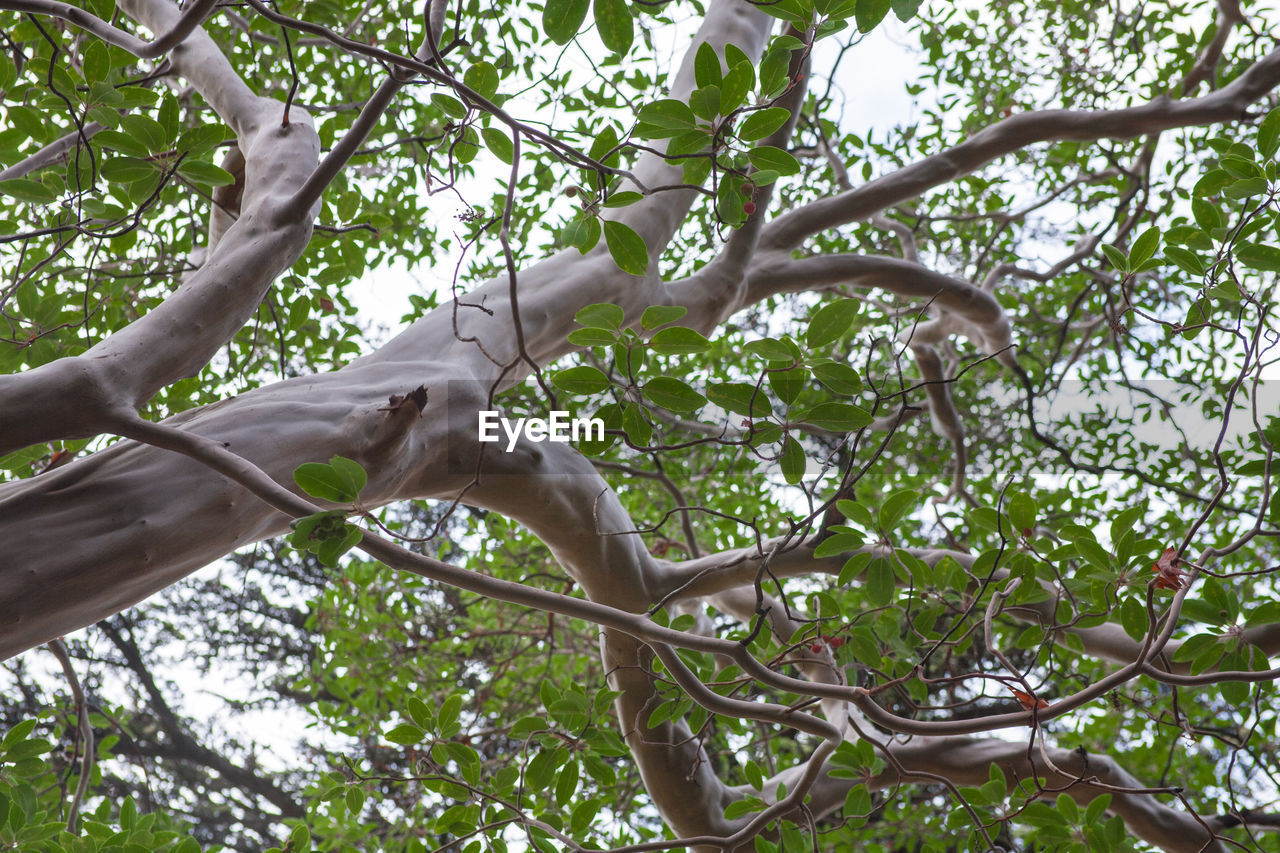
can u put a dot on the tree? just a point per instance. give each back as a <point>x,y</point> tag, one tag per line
<point>899,535</point>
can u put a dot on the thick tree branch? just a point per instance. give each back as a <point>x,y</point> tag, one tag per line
<point>1228,104</point>
<point>169,38</point>
<point>82,395</point>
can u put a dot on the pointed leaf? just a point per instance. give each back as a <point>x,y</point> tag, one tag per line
<point>561,19</point>
<point>614,24</point>
<point>627,248</point>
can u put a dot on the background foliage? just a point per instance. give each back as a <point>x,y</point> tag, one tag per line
<point>382,711</point>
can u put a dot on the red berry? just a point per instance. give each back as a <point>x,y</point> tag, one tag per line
<point>816,648</point>
<point>749,208</point>
<point>836,642</point>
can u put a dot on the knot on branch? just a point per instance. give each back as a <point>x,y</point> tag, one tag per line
<point>417,398</point>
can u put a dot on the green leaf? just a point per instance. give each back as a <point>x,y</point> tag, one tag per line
<point>339,483</point>
<point>636,426</point>
<point>773,350</point>
<point>328,551</point>
<point>567,783</point>
<point>706,66</point>
<point>1211,183</point>
<point>1245,188</point>
<point>351,472</point>
<point>667,114</point>
<point>601,315</point>
<point>467,145</point>
<point>830,322</point>
<point>740,398</point>
<point>1186,260</point>
<point>793,11</point>
<point>581,232</point>
<point>482,78</point>
<point>614,24</point>
<point>1269,134</point>
<point>420,713</point>
<point>895,507</point>
<point>1118,259</point>
<point>25,189</point>
<point>857,803</point>
<point>761,123</point>
<point>447,718</point>
<point>792,460</point>
<point>905,9</point>
<point>1194,647</point>
<point>627,247</point>
<point>840,378</point>
<point>145,130</point>
<point>128,170</point>
<point>168,118</point>
<point>1142,250</point>
<point>583,815</point>
<point>678,340</point>
<point>205,174</point>
<point>405,735</point>
<point>660,315</point>
<point>880,583</point>
<point>870,13</point>
<point>592,338</point>
<point>1067,808</point>
<point>581,380</point>
<point>840,543</point>
<point>775,159</point>
<point>695,141</point>
<point>1022,511</point>
<point>839,417</point>
<point>1206,214</point>
<point>787,384</point>
<point>561,19</point>
<point>673,394</point>
<point>736,85</point>
<point>97,62</point>
<point>1258,256</point>
<point>355,800</point>
<point>705,103</point>
<point>500,145</point>
<point>622,199</point>
<point>300,839</point>
<point>122,142</point>
<point>201,140</point>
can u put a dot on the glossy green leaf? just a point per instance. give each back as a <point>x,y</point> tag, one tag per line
<point>627,247</point>
<point>674,394</point>
<point>614,24</point>
<point>561,19</point>
<point>580,380</point>
<point>678,340</point>
<point>761,123</point>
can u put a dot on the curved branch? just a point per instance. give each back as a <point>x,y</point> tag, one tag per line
<point>167,40</point>
<point>83,395</point>
<point>1014,133</point>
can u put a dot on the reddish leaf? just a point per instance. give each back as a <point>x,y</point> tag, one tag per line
<point>57,460</point>
<point>1027,700</point>
<point>1168,570</point>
